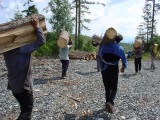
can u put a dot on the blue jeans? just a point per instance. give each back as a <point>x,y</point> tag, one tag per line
<point>65,64</point>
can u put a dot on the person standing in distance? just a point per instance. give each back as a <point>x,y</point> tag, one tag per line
<point>18,63</point>
<point>138,52</point>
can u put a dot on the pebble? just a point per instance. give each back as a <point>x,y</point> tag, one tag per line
<point>137,96</point>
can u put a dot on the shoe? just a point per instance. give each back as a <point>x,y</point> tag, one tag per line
<point>109,107</point>
<point>63,77</point>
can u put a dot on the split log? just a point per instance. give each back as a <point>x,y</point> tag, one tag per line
<point>19,32</point>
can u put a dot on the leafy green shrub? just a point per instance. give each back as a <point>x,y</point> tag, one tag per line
<point>50,48</point>
<point>88,47</point>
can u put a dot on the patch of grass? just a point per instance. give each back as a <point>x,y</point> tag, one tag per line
<point>146,56</point>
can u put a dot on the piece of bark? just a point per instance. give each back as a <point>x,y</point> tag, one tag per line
<point>20,32</point>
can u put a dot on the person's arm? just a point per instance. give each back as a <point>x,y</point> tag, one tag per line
<point>40,38</point>
<point>124,61</point>
<point>69,46</point>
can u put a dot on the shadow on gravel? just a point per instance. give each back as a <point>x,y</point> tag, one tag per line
<point>45,81</point>
<point>86,73</point>
<point>127,75</point>
<point>94,116</point>
<point>148,69</point>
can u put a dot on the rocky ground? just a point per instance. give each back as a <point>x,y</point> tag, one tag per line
<point>81,95</point>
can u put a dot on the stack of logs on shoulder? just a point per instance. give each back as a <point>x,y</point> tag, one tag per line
<point>82,55</point>
<point>19,32</point>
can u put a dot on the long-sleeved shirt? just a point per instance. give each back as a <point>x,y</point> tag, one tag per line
<point>111,54</point>
<point>138,51</point>
<point>64,52</point>
<point>18,64</point>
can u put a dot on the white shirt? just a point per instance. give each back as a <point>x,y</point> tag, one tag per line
<point>64,52</point>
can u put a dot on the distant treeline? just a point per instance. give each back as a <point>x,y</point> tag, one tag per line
<point>51,49</point>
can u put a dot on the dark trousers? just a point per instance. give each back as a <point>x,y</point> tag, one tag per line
<point>65,64</point>
<point>98,62</point>
<point>110,81</point>
<point>137,62</point>
<point>25,100</point>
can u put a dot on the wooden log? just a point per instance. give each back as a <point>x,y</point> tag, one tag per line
<point>20,32</point>
<point>96,40</point>
<point>82,55</point>
<point>63,39</point>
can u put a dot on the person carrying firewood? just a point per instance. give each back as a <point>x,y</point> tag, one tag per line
<point>18,63</point>
<point>138,52</point>
<point>153,52</point>
<point>96,43</point>
<point>64,58</point>
<point>110,53</point>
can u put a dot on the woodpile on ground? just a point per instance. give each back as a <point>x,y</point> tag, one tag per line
<point>82,55</point>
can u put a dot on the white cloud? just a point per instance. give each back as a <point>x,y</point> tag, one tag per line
<point>39,0</point>
<point>124,16</point>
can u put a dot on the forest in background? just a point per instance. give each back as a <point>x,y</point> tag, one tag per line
<point>63,18</point>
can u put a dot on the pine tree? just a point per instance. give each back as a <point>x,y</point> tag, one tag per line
<point>61,15</point>
<point>82,8</point>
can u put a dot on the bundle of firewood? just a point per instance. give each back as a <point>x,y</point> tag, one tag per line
<point>82,55</point>
<point>19,32</point>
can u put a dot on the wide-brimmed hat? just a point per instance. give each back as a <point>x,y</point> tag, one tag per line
<point>137,43</point>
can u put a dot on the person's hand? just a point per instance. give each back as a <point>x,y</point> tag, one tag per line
<point>122,69</point>
<point>35,21</point>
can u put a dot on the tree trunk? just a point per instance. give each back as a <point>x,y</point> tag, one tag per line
<point>17,33</point>
<point>76,26</point>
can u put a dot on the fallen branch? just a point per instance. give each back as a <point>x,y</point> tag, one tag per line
<point>76,99</point>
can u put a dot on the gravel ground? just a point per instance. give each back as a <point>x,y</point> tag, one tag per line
<point>81,95</point>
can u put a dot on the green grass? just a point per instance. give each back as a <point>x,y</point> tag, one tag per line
<point>146,56</point>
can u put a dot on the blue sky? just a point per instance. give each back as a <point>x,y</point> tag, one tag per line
<point>123,15</point>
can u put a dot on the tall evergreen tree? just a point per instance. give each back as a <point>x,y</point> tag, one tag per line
<point>148,20</point>
<point>82,8</point>
<point>147,16</point>
<point>61,15</point>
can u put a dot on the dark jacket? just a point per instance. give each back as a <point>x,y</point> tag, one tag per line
<point>18,64</point>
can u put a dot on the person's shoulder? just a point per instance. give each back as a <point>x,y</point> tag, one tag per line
<point>120,47</point>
